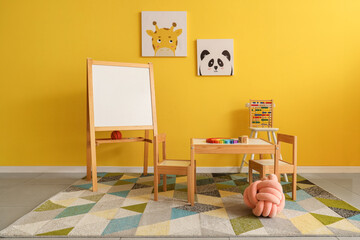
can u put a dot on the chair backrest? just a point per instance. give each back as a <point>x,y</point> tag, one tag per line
<point>290,140</point>
<point>161,138</point>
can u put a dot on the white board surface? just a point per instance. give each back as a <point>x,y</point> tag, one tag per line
<point>122,96</point>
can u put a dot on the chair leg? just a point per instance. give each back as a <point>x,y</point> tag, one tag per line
<point>250,175</point>
<point>262,174</point>
<point>156,184</point>
<point>269,138</point>
<point>164,183</point>
<point>195,177</point>
<point>275,141</point>
<point>188,185</point>
<point>294,186</point>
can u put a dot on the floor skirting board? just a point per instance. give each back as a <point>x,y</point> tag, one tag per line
<point>73,169</point>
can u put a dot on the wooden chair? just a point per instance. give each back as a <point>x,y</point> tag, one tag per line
<point>266,166</point>
<point>169,166</point>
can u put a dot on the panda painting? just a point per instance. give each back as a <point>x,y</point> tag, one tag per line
<point>215,57</point>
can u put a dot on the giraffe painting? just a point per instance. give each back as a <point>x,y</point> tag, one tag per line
<point>164,40</point>
<point>164,34</point>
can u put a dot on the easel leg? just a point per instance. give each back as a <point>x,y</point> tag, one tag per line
<point>93,163</point>
<point>146,153</point>
<point>156,172</point>
<point>88,150</point>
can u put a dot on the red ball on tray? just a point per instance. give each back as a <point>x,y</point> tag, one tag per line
<point>116,135</point>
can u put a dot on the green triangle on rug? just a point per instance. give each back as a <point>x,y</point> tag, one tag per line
<point>337,204</point>
<point>48,205</point>
<point>94,198</point>
<point>245,224</point>
<point>326,220</point>
<point>131,180</point>
<point>75,210</point>
<point>136,208</point>
<point>112,174</point>
<point>223,186</point>
<point>61,232</point>
<point>150,183</point>
<point>122,182</point>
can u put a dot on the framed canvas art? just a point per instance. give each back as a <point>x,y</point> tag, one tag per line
<point>164,34</point>
<point>215,57</point>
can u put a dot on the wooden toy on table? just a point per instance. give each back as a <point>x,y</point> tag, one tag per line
<point>222,140</point>
<point>261,114</point>
<point>120,96</point>
<point>244,139</point>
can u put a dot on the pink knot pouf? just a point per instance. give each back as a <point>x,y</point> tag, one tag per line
<point>265,197</point>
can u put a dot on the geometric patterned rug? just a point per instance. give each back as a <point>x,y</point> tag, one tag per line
<point>124,207</point>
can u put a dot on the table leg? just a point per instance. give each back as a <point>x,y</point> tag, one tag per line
<point>250,176</point>
<point>188,184</point>
<point>252,155</point>
<point>245,155</point>
<point>191,174</point>
<point>194,176</point>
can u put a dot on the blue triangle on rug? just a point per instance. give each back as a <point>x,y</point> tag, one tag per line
<point>121,224</point>
<point>179,213</point>
<point>121,193</point>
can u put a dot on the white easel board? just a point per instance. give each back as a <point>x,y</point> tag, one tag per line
<point>122,96</point>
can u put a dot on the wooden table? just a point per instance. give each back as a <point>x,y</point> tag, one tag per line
<point>255,145</point>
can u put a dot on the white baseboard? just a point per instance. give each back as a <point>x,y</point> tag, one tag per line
<point>77,169</point>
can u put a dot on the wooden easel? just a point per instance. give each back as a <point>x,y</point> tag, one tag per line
<point>132,123</point>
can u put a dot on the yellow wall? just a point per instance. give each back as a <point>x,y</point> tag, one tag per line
<point>303,54</point>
